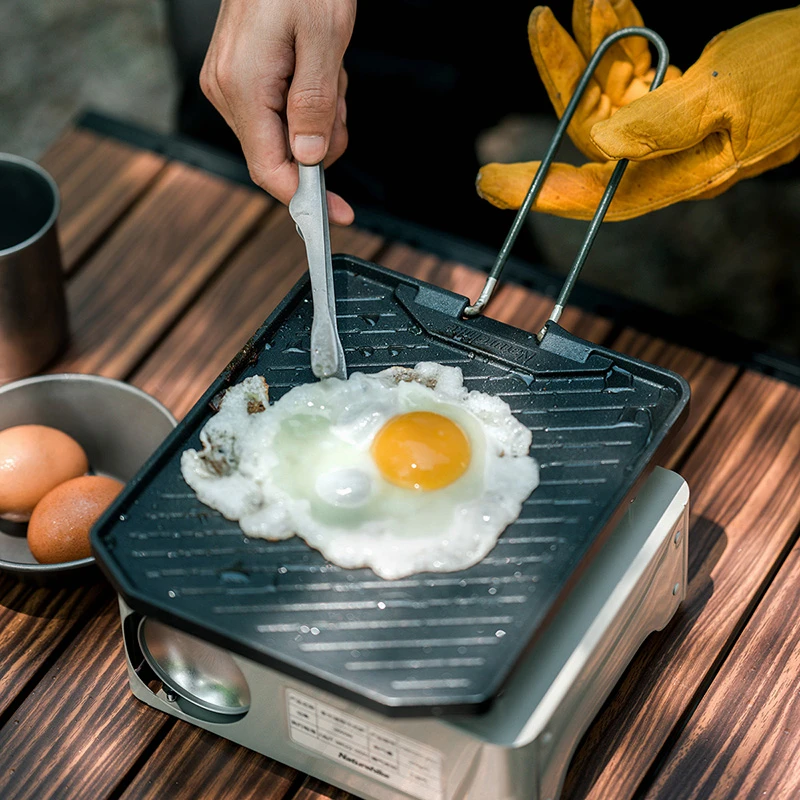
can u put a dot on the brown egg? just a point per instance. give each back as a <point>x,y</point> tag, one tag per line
<point>60,523</point>
<point>33,460</point>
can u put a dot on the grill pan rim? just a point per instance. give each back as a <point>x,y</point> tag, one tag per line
<point>143,602</point>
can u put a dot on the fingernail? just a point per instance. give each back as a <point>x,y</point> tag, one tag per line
<point>308,149</point>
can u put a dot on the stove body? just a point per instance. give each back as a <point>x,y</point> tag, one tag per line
<point>521,747</point>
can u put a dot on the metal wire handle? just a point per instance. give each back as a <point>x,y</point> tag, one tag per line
<point>538,179</point>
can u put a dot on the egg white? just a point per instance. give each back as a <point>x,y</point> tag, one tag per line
<point>303,466</point>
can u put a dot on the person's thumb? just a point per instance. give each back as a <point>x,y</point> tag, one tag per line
<point>312,101</point>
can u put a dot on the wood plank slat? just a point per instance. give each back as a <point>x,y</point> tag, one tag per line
<point>46,750</point>
<point>193,763</point>
<point>743,740</point>
<point>313,789</point>
<point>522,308</point>
<point>232,309</point>
<point>33,623</point>
<point>745,486</point>
<point>98,179</point>
<point>129,294</point>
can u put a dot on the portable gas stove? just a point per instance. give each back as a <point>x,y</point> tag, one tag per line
<point>474,684</point>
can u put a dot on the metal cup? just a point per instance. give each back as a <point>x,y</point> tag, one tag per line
<point>33,309</point>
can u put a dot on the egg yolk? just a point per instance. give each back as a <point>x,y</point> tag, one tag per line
<point>421,450</point>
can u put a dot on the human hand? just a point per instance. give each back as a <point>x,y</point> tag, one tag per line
<point>733,114</point>
<point>274,71</point>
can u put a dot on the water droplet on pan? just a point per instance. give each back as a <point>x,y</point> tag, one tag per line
<point>233,576</point>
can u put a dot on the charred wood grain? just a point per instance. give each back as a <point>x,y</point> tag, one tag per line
<point>80,727</point>
<point>34,622</point>
<point>194,763</point>
<point>744,475</point>
<point>742,740</point>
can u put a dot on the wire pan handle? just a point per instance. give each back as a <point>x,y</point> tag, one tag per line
<point>538,179</point>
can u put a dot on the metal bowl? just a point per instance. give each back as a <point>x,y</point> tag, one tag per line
<point>119,427</point>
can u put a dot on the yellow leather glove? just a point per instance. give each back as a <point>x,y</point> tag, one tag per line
<point>734,114</point>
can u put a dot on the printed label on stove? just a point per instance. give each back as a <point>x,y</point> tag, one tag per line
<point>345,739</point>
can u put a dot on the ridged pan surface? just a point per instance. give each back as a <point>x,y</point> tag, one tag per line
<point>430,643</point>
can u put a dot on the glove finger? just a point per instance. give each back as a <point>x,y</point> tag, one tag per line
<point>594,20</point>
<point>575,192</point>
<point>622,72</point>
<point>626,71</point>
<point>557,57</point>
<point>560,64</point>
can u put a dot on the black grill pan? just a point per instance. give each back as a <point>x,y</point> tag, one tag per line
<point>430,643</point>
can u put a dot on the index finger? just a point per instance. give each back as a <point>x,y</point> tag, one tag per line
<point>594,20</point>
<point>262,134</point>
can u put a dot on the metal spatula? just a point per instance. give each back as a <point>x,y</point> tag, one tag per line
<point>309,209</point>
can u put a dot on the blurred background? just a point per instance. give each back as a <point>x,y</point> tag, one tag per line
<point>58,57</point>
<point>435,90</point>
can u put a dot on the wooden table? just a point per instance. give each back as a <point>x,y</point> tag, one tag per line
<point>170,270</point>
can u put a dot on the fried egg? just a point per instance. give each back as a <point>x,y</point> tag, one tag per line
<point>402,471</point>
